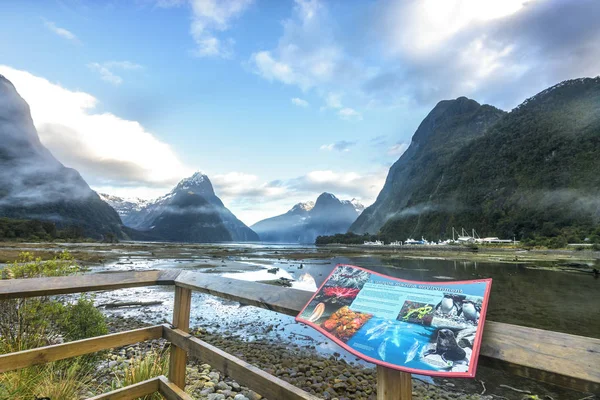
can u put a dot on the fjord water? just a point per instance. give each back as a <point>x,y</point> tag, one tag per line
<point>528,294</point>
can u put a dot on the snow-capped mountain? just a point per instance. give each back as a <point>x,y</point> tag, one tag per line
<point>305,221</point>
<point>124,206</point>
<point>191,212</point>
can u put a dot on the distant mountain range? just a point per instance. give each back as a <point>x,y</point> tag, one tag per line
<point>305,221</point>
<point>35,185</point>
<point>527,173</point>
<point>191,212</point>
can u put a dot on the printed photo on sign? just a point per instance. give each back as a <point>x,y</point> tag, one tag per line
<point>429,328</point>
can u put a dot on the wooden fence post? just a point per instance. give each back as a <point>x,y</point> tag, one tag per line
<point>181,320</point>
<point>393,384</point>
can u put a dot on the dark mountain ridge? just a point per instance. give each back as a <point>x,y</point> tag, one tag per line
<point>531,172</point>
<point>35,185</point>
<point>447,129</point>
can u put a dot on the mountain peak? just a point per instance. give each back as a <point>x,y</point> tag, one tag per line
<point>358,206</point>
<point>198,183</point>
<point>303,207</point>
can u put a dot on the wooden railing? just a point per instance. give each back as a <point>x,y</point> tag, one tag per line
<point>557,358</point>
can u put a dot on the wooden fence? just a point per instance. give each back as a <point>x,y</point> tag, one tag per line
<point>557,358</point>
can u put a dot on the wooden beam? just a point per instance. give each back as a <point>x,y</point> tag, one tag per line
<point>131,392</point>
<point>42,355</point>
<point>393,384</point>
<point>558,358</point>
<point>171,391</point>
<point>275,298</point>
<point>244,373</point>
<point>19,288</point>
<point>181,320</point>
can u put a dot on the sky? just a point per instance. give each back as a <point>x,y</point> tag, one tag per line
<point>275,100</point>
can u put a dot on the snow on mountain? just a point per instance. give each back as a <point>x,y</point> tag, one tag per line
<point>124,206</point>
<point>358,206</point>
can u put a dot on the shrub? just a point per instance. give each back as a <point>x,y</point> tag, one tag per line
<point>32,322</point>
<point>51,380</point>
<point>82,320</point>
<point>35,322</point>
<point>147,366</point>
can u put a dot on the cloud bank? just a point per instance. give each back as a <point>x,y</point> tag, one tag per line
<point>106,149</point>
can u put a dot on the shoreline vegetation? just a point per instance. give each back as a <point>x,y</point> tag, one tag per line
<point>101,252</point>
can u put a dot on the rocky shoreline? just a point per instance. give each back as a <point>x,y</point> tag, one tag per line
<point>328,378</point>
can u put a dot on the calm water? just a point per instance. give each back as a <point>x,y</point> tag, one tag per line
<point>521,293</point>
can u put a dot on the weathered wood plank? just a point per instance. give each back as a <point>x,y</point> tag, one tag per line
<point>393,384</point>
<point>244,373</point>
<point>42,355</point>
<point>171,391</point>
<point>181,320</point>
<point>19,288</point>
<point>558,358</point>
<point>567,360</point>
<point>131,392</point>
<point>275,298</point>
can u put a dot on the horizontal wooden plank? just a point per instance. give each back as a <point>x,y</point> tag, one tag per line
<point>170,390</point>
<point>558,358</point>
<point>19,288</point>
<point>42,355</point>
<point>131,392</point>
<point>244,373</point>
<point>275,298</point>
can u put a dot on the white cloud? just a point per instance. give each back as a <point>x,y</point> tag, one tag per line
<point>106,74</point>
<point>397,149</point>
<point>309,56</point>
<point>363,186</point>
<point>333,100</point>
<point>342,146</point>
<point>105,70</point>
<point>62,32</point>
<point>348,113</point>
<point>106,149</point>
<point>299,102</point>
<point>306,56</point>
<point>498,52</point>
<point>210,17</point>
<point>423,27</point>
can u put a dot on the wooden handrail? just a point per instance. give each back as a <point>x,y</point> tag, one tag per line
<point>33,287</point>
<point>558,358</point>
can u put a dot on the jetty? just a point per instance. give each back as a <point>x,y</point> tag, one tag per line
<point>557,358</point>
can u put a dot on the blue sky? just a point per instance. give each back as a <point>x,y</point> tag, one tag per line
<point>276,101</point>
